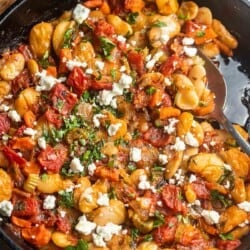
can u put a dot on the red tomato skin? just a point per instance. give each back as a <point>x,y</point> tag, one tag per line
<point>53,118</point>
<point>103,28</point>
<point>78,81</point>
<point>4,123</point>
<point>63,224</point>
<point>26,207</point>
<point>60,93</point>
<point>228,244</point>
<point>157,137</point>
<point>13,156</point>
<point>52,159</point>
<point>170,196</point>
<point>165,234</point>
<point>136,61</point>
<point>200,189</point>
<point>97,85</point>
<point>22,81</point>
<point>170,65</point>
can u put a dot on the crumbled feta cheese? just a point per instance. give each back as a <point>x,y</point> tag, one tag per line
<point>80,13</point>
<point>41,142</point>
<point>187,41</point>
<point>105,233</point>
<point>210,216</point>
<point>6,208</point>
<point>4,108</point>
<point>87,194</point>
<point>167,81</point>
<point>170,128</point>
<point>49,202</point>
<point>245,205</point>
<point>84,226</point>
<point>89,71</point>
<point>113,104</point>
<point>192,178</point>
<point>76,166</point>
<point>123,68</point>
<point>105,97</point>
<point>14,116</point>
<point>103,199</point>
<point>121,39</point>
<point>227,185</point>
<point>144,183</point>
<point>171,181</point>
<point>62,213</point>
<point>96,120</point>
<point>179,145</point>
<point>191,140</point>
<point>133,42</point>
<point>100,65</point>
<point>243,224</point>
<point>190,51</point>
<point>125,81</point>
<point>70,64</point>
<point>179,177</point>
<point>227,167</point>
<point>150,64</point>
<point>135,154</point>
<point>113,129</point>
<point>91,169</point>
<point>213,143</point>
<point>163,159</point>
<point>29,131</point>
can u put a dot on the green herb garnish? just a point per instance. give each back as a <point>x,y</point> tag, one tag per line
<point>200,33</point>
<point>67,38</point>
<point>226,236</point>
<point>159,24</point>
<point>66,199</point>
<point>131,17</point>
<point>159,219</point>
<point>107,46</point>
<point>81,245</point>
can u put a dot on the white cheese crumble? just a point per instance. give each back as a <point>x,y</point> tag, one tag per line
<point>41,142</point>
<point>163,159</point>
<point>49,202</point>
<point>113,129</point>
<point>245,205</point>
<point>89,71</point>
<point>210,216</point>
<point>91,169</point>
<point>76,166</point>
<point>100,65</point>
<point>121,39</point>
<point>96,120</point>
<point>179,177</point>
<point>29,131</point>
<point>14,116</point>
<point>6,208</point>
<point>179,145</point>
<point>4,108</point>
<point>227,167</point>
<point>103,199</point>
<point>191,140</point>
<point>190,51</point>
<point>126,81</point>
<point>84,226</point>
<point>170,128</point>
<point>135,154</point>
<point>144,184</point>
<point>187,41</point>
<point>105,233</point>
<point>123,68</point>
<point>70,64</point>
<point>192,178</point>
<point>87,194</point>
<point>150,64</point>
<point>47,82</point>
<point>80,13</point>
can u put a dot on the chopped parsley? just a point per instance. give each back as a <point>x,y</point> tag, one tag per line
<point>131,17</point>
<point>66,199</point>
<point>107,46</point>
<point>148,237</point>
<point>218,197</point>
<point>159,24</point>
<point>81,245</point>
<point>44,61</point>
<point>113,73</point>
<point>226,236</point>
<point>134,233</point>
<point>159,219</point>
<point>44,177</point>
<point>67,38</point>
<point>150,90</point>
<point>200,33</point>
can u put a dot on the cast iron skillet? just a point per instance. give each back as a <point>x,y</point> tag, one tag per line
<point>16,22</point>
